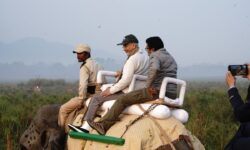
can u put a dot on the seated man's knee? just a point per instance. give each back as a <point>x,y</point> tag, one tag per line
<point>62,109</point>
<point>97,99</point>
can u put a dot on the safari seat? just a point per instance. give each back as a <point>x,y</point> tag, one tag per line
<point>168,107</point>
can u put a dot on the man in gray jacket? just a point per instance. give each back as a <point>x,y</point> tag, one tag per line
<point>161,64</point>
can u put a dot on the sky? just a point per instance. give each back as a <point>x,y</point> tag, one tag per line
<point>193,31</point>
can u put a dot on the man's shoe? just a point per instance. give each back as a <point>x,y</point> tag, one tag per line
<point>98,127</point>
<point>77,128</point>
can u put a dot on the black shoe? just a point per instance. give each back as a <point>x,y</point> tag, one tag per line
<point>77,128</point>
<point>98,127</point>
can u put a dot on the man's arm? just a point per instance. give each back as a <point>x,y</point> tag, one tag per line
<point>241,109</point>
<point>127,76</point>
<point>83,82</point>
<point>154,66</point>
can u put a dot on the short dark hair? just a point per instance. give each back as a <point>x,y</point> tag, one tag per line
<point>154,42</point>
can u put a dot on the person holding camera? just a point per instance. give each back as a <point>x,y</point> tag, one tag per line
<point>241,140</point>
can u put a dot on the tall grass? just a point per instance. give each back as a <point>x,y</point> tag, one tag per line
<point>19,103</point>
<point>211,114</point>
<point>211,117</point>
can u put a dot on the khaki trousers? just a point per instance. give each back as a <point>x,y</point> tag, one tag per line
<point>67,108</point>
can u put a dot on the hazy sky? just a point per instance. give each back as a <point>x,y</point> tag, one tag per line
<point>194,31</point>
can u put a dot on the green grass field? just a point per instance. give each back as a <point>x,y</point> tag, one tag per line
<point>211,117</point>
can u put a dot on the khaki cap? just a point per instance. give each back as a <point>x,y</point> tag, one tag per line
<point>80,48</point>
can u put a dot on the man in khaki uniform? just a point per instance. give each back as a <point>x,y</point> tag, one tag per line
<point>87,82</point>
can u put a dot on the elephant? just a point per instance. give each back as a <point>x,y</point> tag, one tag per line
<point>43,132</point>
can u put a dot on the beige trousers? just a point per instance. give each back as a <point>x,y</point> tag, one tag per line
<point>67,108</point>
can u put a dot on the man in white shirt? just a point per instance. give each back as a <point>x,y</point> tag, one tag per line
<point>87,82</point>
<point>137,63</point>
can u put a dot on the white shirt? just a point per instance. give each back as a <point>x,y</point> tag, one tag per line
<point>136,64</point>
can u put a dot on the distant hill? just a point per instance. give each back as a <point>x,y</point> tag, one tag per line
<point>37,50</point>
<point>37,58</point>
<point>34,50</point>
<point>19,71</point>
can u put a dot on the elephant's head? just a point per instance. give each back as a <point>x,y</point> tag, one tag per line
<point>44,132</point>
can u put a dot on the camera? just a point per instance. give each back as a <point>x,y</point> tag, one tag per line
<point>238,70</point>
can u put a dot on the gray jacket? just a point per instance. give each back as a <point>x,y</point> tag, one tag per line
<point>161,64</point>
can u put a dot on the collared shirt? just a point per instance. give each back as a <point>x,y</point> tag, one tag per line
<point>88,75</point>
<point>136,64</point>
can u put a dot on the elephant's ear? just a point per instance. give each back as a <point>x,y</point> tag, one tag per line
<point>30,139</point>
<point>44,140</point>
<point>56,139</point>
